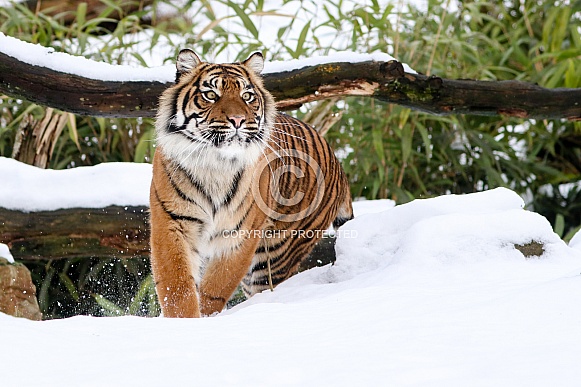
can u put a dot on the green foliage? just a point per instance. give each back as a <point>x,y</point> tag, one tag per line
<point>92,286</point>
<point>387,151</point>
<point>404,155</point>
<point>143,303</point>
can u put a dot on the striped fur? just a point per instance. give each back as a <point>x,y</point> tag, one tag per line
<point>240,193</point>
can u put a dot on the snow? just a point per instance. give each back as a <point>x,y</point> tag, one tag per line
<point>341,56</point>
<point>429,293</point>
<point>27,188</point>
<point>5,253</point>
<point>362,206</point>
<point>575,242</point>
<point>38,55</point>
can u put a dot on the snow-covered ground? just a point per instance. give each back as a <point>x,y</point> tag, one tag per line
<point>430,293</point>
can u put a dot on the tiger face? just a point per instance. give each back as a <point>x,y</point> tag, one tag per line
<point>215,111</point>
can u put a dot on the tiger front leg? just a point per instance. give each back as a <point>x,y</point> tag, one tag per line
<point>223,275</point>
<point>173,266</point>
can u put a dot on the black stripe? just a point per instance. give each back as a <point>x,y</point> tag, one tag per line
<point>262,249</point>
<point>173,215</point>
<point>185,101</point>
<point>243,201</point>
<point>197,185</point>
<point>174,185</point>
<point>233,188</point>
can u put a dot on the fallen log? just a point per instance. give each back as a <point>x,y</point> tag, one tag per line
<point>110,232</point>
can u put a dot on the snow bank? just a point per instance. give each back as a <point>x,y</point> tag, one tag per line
<point>430,232</point>
<point>27,188</point>
<point>430,293</point>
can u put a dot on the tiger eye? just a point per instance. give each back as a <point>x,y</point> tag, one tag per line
<point>211,95</point>
<point>247,96</point>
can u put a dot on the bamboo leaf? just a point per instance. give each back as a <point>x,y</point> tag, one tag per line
<point>559,226</point>
<point>300,50</point>
<point>69,285</point>
<point>109,308</point>
<point>73,132</point>
<point>377,137</point>
<point>248,24</point>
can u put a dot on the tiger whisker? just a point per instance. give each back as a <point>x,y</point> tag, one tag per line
<point>281,140</point>
<point>288,134</point>
<point>268,163</point>
<point>272,149</point>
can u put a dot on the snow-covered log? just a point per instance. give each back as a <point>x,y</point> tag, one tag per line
<point>114,96</point>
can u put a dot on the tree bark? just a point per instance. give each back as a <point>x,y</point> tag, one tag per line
<point>111,232</point>
<point>385,81</point>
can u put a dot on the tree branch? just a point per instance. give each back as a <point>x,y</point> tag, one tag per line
<point>385,81</point>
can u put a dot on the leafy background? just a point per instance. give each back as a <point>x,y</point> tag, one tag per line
<point>387,151</point>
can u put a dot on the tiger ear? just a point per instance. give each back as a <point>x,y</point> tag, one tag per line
<point>255,62</point>
<point>187,60</point>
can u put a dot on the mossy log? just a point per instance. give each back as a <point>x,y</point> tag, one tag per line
<point>109,232</point>
<point>385,81</point>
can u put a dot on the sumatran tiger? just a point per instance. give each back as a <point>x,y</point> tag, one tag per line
<point>240,193</point>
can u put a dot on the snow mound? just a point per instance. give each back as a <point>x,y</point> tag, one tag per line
<point>452,229</point>
<point>5,253</point>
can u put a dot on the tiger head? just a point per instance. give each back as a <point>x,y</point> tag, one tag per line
<point>215,111</point>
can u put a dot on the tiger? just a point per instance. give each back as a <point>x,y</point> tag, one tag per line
<point>240,192</point>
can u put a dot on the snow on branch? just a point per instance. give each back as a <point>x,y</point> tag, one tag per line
<point>86,87</point>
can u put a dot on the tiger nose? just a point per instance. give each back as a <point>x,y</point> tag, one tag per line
<point>237,121</point>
